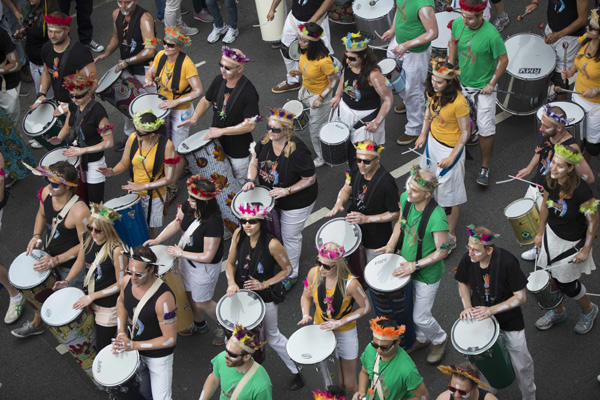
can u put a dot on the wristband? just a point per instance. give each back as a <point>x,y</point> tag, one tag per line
<point>40,94</point>
<point>37,234</point>
<point>249,180</point>
<point>266,284</point>
<point>289,190</point>
<point>417,266</point>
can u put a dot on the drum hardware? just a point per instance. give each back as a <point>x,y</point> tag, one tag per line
<point>542,28</point>
<point>119,88</point>
<point>544,290</point>
<point>374,15</point>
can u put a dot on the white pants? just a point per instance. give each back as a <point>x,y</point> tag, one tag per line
<point>292,224</point>
<point>9,102</point>
<point>415,66</point>
<point>128,127</point>
<point>317,116</point>
<point>156,219</point>
<point>173,13</point>
<point>350,117</point>
<point>290,33</point>
<point>36,74</point>
<point>559,50</point>
<point>485,109</point>
<point>176,117</point>
<point>521,361</point>
<point>276,340</point>
<point>426,327</point>
<point>156,377</point>
<point>240,168</point>
<point>592,120</point>
<point>534,194</point>
<point>92,175</point>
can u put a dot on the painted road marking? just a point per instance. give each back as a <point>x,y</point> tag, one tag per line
<point>62,349</point>
<point>316,216</point>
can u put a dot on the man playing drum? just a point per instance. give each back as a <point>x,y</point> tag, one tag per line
<point>64,216</point>
<point>490,282</point>
<point>401,379</point>
<point>147,322</point>
<point>236,372</point>
<point>482,60</point>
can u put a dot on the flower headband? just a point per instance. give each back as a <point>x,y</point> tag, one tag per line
<point>198,193</point>
<point>75,81</point>
<point>474,9</point>
<point>313,37</point>
<point>415,174</point>
<point>59,21</point>
<point>246,340</point>
<point>281,113</point>
<point>562,152</point>
<point>151,43</point>
<point>325,395</point>
<point>52,176</point>
<point>353,45</point>
<point>256,210</point>
<point>105,214</point>
<point>388,333</point>
<point>554,118</point>
<point>331,254</point>
<point>443,72</point>
<point>595,19</point>
<point>147,126</point>
<point>484,238</point>
<point>368,148</point>
<point>234,56</point>
<point>129,254</point>
<point>177,37</point>
<point>455,369</point>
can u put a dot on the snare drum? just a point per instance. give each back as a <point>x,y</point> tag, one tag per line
<point>344,234</point>
<point>119,89</point>
<point>394,74</point>
<point>544,289</point>
<point>270,31</point>
<point>301,115</point>
<point>132,227</point>
<point>294,50</point>
<point>524,218</point>
<point>373,18</point>
<point>439,46</point>
<point>575,117</point>
<point>313,351</point>
<point>530,67</point>
<point>257,196</point>
<point>482,344</point>
<point>35,286</point>
<point>168,271</point>
<point>41,124</point>
<point>391,296</point>
<point>341,12</point>
<point>117,372</point>
<point>208,158</point>
<point>334,137</point>
<point>73,328</point>
<point>56,155</point>
<point>149,101</point>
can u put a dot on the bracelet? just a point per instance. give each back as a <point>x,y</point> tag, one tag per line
<point>37,234</point>
<point>57,260</point>
<point>289,190</point>
<point>417,266</point>
<point>66,280</point>
<point>266,284</point>
<point>40,94</point>
<point>249,180</point>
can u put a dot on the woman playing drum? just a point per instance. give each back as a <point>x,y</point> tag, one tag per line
<point>464,383</point>
<point>334,291</point>
<point>101,255</point>
<point>282,162</point>
<point>257,261</point>
<point>568,224</point>
<point>199,250</point>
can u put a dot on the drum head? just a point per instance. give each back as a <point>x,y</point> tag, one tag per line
<point>58,309</point>
<point>334,133</point>
<point>339,231</point>
<point>518,208</point>
<point>537,280</point>
<point>310,345</point>
<point>164,259</point>
<point>108,79</point>
<point>245,308</point>
<point>38,121</point>
<point>387,65</point>
<point>295,107</point>
<point>443,19</point>
<point>529,57</point>
<point>21,274</point>
<point>56,155</point>
<point>256,196</point>
<point>294,50</point>
<point>115,369</point>
<point>472,337</point>
<point>378,273</point>
<point>365,10</point>
<point>575,113</point>
<point>193,143</point>
<point>123,202</point>
<point>149,101</point>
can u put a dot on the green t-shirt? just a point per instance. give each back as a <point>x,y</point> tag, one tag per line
<point>408,24</point>
<point>398,377</point>
<point>437,222</point>
<point>478,52</point>
<point>258,387</point>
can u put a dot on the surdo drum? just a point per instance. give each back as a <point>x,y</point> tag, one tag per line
<point>439,46</point>
<point>334,137</point>
<point>41,124</point>
<point>341,12</point>
<point>56,155</point>
<point>35,286</point>
<point>257,196</point>
<point>392,70</point>
<point>301,115</point>
<point>541,285</point>
<point>132,227</point>
<point>374,17</point>
<point>119,89</point>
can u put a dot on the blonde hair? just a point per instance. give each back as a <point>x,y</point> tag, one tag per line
<point>288,129</point>
<point>112,239</point>
<point>342,271</point>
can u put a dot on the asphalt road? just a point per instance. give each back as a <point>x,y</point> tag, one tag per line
<point>566,364</point>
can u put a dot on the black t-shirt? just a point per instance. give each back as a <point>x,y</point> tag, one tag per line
<point>546,151</point>
<point>87,132</point>
<point>284,172</point>
<point>104,275</point>
<point>372,201</point>
<point>564,217</point>
<point>359,97</point>
<point>561,14</point>
<point>79,57</point>
<point>36,37</point>
<point>213,228</point>
<point>246,106</point>
<point>12,79</point>
<point>303,10</point>
<point>495,284</point>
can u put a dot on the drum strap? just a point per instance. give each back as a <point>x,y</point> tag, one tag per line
<point>76,130</point>
<point>244,380</point>
<point>176,75</point>
<point>59,218</point>
<point>89,280</point>
<point>232,98</point>
<point>368,118</point>
<point>376,382</point>
<point>138,309</point>
<point>185,239</point>
<point>62,65</point>
<point>372,186</point>
<point>564,254</point>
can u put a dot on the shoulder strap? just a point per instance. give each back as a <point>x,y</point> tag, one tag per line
<point>160,156</point>
<point>423,225</point>
<point>63,61</point>
<point>59,218</point>
<point>119,25</point>
<point>79,117</point>
<point>239,87</point>
<point>134,148</point>
<point>373,185</point>
<point>151,291</point>
<point>405,211</point>
<point>185,238</point>
<point>136,19</point>
<point>89,280</point>
<point>244,380</point>
<point>177,76</point>
<point>376,382</point>
<point>161,64</point>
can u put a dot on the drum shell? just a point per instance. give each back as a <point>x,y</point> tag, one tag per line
<point>301,118</point>
<point>321,375</point>
<point>397,306</point>
<point>495,364</point>
<point>56,155</point>
<point>371,25</point>
<point>51,128</point>
<point>173,279</point>
<point>149,101</point>
<point>439,46</point>
<point>270,31</point>
<point>121,93</point>
<point>341,12</point>
<point>549,296</point>
<point>526,225</point>
<point>335,153</point>
<point>132,227</point>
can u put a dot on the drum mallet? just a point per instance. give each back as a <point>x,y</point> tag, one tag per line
<point>541,26</point>
<point>565,47</point>
<point>558,89</point>
<point>520,17</point>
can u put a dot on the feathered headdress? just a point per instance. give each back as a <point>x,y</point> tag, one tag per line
<point>415,175</point>
<point>331,254</point>
<point>388,333</point>
<point>455,369</point>
<point>177,37</point>
<point>368,148</point>
<point>234,56</point>
<point>57,20</point>
<point>313,37</point>
<point>52,176</point>
<point>98,211</point>
<point>595,19</point>
<point>353,45</point>
<point>483,238</point>
<point>79,81</point>
<point>147,126</point>
<point>324,395</point>
<point>441,71</point>
<point>246,339</point>
<point>562,152</point>
<point>151,43</point>
<point>254,210</point>
<point>554,118</point>
<point>130,254</point>
<point>280,113</point>
<point>201,193</point>
<point>473,9</point>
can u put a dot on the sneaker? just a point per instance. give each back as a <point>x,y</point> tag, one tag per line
<point>231,34</point>
<point>289,282</point>
<point>586,321</point>
<point>417,346</point>
<point>275,45</point>
<point>184,11</point>
<point>9,181</point>
<point>405,139</point>
<point>216,33</point>
<point>285,87</point>
<point>204,16</point>
<point>319,162</point>
<point>14,311</point>
<point>473,140</point>
<point>189,31</point>
<point>550,318</point>
<point>529,255</point>
<point>437,352</point>
<point>23,92</point>
<point>219,337</point>
<point>28,330</point>
<point>296,383</point>
<point>202,328</point>
<point>483,179</point>
<point>160,20</point>
<point>95,46</point>
<point>34,144</point>
<point>189,331</point>
<point>400,108</point>
<point>120,145</point>
<point>501,22</point>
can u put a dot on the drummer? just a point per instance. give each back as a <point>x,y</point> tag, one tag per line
<point>334,291</point>
<point>150,159</point>
<point>363,97</point>
<point>464,383</point>
<point>257,261</point>
<point>490,282</point>
<point>291,180</point>
<point>62,215</point>
<point>401,379</point>
<point>200,250</point>
<point>101,255</point>
<point>568,224</point>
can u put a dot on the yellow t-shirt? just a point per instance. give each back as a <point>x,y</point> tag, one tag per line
<point>588,72</point>
<point>314,73</point>
<point>444,126</point>
<point>139,174</point>
<point>318,318</point>
<point>188,70</point>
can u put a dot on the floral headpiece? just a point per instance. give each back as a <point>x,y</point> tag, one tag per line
<point>79,81</point>
<point>474,9</point>
<point>455,369</point>
<point>554,118</point>
<point>595,19</point>
<point>130,254</point>
<point>313,37</point>
<point>484,238</point>
<point>177,37</point>
<point>562,152</point>
<point>147,126</point>
<point>98,211</point>
<point>58,21</point>
<point>52,176</point>
<point>198,193</point>
<point>353,45</point>
<point>283,114</point>
<point>368,148</point>
<point>324,395</point>
<point>331,254</point>
<point>415,174</point>
<point>255,210</point>
<point>388,333</point>
<point>443,72</point>
<point>246,340</point>
<point>234,56</point>
<point>151,43</point>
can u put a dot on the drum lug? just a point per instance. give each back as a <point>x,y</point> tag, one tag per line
<point>131,214</point>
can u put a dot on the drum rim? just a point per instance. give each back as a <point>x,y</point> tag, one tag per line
<point>117,76</point>
<point>539,78</point>
<point>315,361</point>
<point>557,103</point>
<point>548,275</point>
<point>66,322</point>
<point>521,215</point>
<point>95,365</point>
<point>336,143</point>
<point>294,101</point>
<point>46,273</point>
<point>124,206</point>
<point>490,344</point>
<point>250,326</point>
<point>373,19</point>
<point>385,59</point>
<point>234,209</point>
<point>190,150</point>
<point>166,111</point>
<point>450,14</point>
<point>408,278</point>
<point>62,148</point>
<point>355,227</point>
<point>50,124</point>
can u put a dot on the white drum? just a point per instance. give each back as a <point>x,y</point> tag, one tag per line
<point>270,31</point>
<point>301,115</point>
<point>379,273</point>
<point>439,46</point>
<point>294,50</point>
<point>394,74</point>
<point>56,155</point>
<point>149,101</point>
<point>340,232</point>
<point>334,138</point>
<point>245,308</point>
<point>575,117</point>
<point>257,196</point>
<point>373,18</point>
<point>36,286</point>
<point>115,369</point>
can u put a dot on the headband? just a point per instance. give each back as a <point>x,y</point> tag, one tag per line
<point>147,126</point>
<point>52,176</point>
<point>313,37</point>
<point>256,210</point>
<point>389,333</point>
<point>129,254</point>
<point>177,37</point>
<point>331,254</point>
<point>415,174</point>
<point>72,82</point>
<point>595,19</point>
<point>282,114</point>
<point>368,148</point>
<point>245,339</point>
<point>455,369</point>
<point>100,212</point>
<point>325,395</point>
<point>353,45</point>
<point>554,118</point>
<point>58,21</point>
<point>234,56</point>
<point>483,238</point>
<point>198,193</point>
<point>474,9</point>
<point>562,152</point>
<point>443,72</point>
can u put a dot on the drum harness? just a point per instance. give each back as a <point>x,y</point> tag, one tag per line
<point>138,309</point>
<point>125,36</point>
<point>175,77</point>
<point>494,274</point>
<point>59,219</point>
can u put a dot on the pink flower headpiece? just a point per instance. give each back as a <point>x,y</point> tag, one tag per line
<point>234,56</point>
<point>484,238</point>
<point>331,254</point>
<point>254,210</point>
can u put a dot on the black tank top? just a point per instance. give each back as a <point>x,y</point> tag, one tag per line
<point>482,394</point>
<point>104,275</point>
<point>359,97</point>
<point>64,238</point>
<point>256,262</point>
<point>131,41</point>
<point>148,327</point>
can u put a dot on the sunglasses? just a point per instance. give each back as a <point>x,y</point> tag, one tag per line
<point>142,134</point>
<point>591,28</point>
<point>169,45</point>
<point>361,160</point>
<point>352,59</point>
<point>274,130</point>
<point>137,274</point>
<point>228,68</point>
<point>461,392</point>
<point>53,184</point>
<point>249,221</point>
<point>234,355</point>
<point>78,96</point>
<point>383,348</point>
<point>94,230</point>
<point>320,264</point>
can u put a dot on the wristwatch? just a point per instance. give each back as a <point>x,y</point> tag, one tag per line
<point>417,266</point>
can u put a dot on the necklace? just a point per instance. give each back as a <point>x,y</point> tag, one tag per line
<point>467,40</point>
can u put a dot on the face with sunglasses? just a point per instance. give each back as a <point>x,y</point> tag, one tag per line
<point>461,388</point>
<point>366,163</point>
<point>234,355</point>
<point>325,266</point>
<point>384,347</point>
<point>170,47</point>
<point>229,69</point>
<point>139,271</point>
<point>275,130</point>
<point>353,59</point>
<point>97,234</point>
<point>78,95</point>
<point>251,225</point>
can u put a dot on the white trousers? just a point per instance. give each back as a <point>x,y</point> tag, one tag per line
<point>240,168</point>
<point>36,74</point>
<point>317,116</point>
<point>426,327</point>
<point>9,102</point>
<point>485,110</point>
<point>521,361</point>
<point>156,377</point>
<point>173,13</point>
<point>128,127</point>
<point>559,51</point>
<point>592,119</point>
<point>276,340</point>
<point>176,117</point>
<point>350,117</point>
<point>292,224</point>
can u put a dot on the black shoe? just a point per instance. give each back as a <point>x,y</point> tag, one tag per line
<point>483,179</point>
<point>9,181</point>
<point>473,140</point>
<point>296,383</point>
<point>120,145</point>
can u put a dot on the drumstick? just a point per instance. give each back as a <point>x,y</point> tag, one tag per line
<point>541,26</point>
<point>558,89</point>
<point>259,25</point>
<point>378,35</point>
<point>537,252</point>
<point>364,123</point>
<point>554,266</point>
<point>422,155</point>
<point>592,294</point>
<point>520,17</point>
<point>565,46</point>
<point>523,180</point>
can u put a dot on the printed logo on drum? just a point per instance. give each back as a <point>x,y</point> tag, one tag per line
<point>99,367</point>
<point>306,356</point>
<point>530,71</point>
<point>48,312</point>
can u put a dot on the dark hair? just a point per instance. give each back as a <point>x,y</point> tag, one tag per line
<point>67,171</point>
<point>146,252</point>
<point>150,118</point>
<point>572,181</point>
<point>59,14</point>
<point>471,369</point>
<point>368,60</point>
<point>261,239</point>
<point>315,50</point>
<point>449,93</point>
<point>205,208</point>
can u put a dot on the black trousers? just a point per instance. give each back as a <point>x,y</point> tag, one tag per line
<point>84,17</point>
